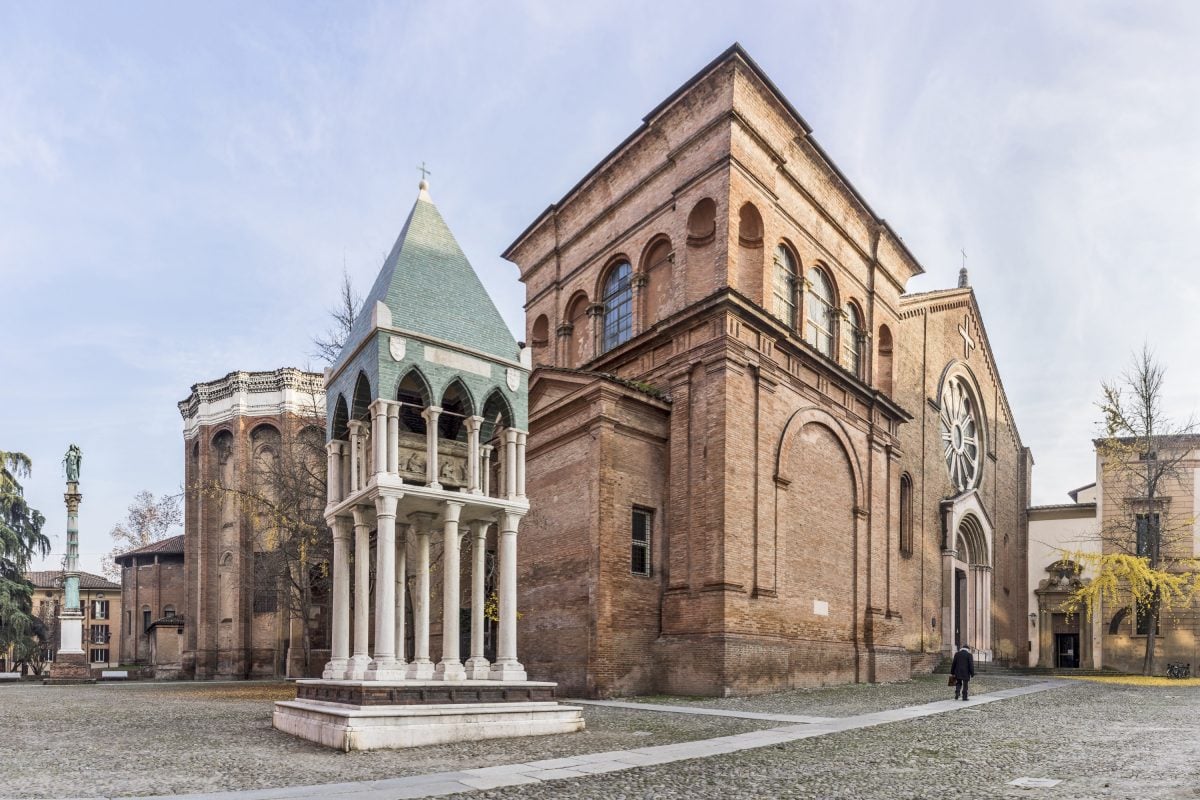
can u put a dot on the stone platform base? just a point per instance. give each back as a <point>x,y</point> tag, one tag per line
<point>370,715</point>
<point>70,668</point>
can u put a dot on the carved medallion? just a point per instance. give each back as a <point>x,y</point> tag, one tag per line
<point>396,346</point>
<point>513,378</point>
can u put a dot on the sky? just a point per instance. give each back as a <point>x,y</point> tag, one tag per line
<point>181,186</point>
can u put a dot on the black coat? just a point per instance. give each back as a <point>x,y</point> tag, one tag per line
<point>963,666</point>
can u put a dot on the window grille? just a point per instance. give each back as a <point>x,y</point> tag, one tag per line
<point>639,562</point>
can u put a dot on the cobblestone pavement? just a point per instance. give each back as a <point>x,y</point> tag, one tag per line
<point>173,738</point>
<point>844,701</point>
<point>1102,741</point>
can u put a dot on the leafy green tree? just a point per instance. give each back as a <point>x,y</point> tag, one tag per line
<point>21,540</point>
<point>1146,560</point>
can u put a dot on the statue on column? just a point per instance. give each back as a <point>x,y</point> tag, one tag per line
<point>71,463</point>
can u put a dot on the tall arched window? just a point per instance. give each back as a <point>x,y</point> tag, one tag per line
<point>820,310</point>
<point>784,287</point>
<point>852,339</point>
<point>906,515</point>
<point>883,364</point>
<point>618,305</point>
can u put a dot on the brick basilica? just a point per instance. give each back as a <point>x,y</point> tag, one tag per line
<point>754,461</point>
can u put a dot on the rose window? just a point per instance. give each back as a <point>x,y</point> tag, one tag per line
<point>960,437</point>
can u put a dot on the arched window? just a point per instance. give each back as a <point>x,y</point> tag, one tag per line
<point>783,303</point>
<point>820,311</point>
<point>852,339</point>
<point>906,515</point>
<point>361,408</point>
<point>618,306</point>
<point>341,419</point>
<point>168,611</point>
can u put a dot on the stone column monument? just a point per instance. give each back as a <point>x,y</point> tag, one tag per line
<point>70,663</point>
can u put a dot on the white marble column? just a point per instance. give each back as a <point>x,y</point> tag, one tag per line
<point>478,667</point>
<point>507,667</point>
<point>948,593</point>
<point>401,590</point>
<point>519,464</point>
<point>333,468</point>
<point>421,667</point>
<point>431,415</point>
<point>362,596</point>
<point>383,666</point>
<point>393,438</point>
<point>344,470</point>
<point>485,453</point>
<point>335,670</point>
<point>450,668</point>
<point>510,463</point>
<point>379,436</point>
<point>473,426</point>
<point>356,437</point>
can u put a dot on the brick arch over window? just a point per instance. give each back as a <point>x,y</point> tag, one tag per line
<point>821,310</point>
<point>748,277</point>
<point>906,514</point>
<point>615,293</point>
<point>657,265</point>
<point>575,349</point>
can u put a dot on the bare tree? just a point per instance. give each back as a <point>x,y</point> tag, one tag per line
<point>329,346</point>
<point>1146,557</point>
<point>149,520</point>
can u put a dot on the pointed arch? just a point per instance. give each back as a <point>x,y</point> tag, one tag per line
<point>497,413</point>
<point>413,394</point>
<point>456,406</point>
<point>340,428</point>
<point>360,408</point>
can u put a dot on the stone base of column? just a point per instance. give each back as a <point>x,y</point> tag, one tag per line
<point>510,671</point>
<point>366,716</point>
<point>478,669</point>
<point>386,670</point>
<point>450,671</point>
<point>335,669</point>
<point>356,670</point>
<point>420,671</point>
<point>70,668</point>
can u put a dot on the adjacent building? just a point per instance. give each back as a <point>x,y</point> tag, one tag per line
<point>755,461</point>
<point>1115,515</point>
<point>239,432</point>
<point>152,590</point>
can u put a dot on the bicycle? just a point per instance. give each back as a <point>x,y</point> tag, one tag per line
<point>1179,671</point>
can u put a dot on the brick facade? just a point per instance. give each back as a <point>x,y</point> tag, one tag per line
<point>769,465</point>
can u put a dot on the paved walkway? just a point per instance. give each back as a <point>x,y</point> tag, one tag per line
<point>537,772</point>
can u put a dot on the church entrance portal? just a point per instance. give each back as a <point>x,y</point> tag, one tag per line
<point>967,578</point>
<point>1066,650</point>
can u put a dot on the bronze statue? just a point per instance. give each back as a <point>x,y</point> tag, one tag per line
<point>71,462</point>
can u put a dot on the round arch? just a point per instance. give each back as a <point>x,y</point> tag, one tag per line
<point>963,426</point>
<point>818,416</point>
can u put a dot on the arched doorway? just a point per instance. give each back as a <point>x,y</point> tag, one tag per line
<point>967,579</point>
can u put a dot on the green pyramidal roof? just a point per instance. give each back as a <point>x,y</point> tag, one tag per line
<point>431,289</point>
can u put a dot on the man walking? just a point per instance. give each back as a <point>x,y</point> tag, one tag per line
<point>963,669</point>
